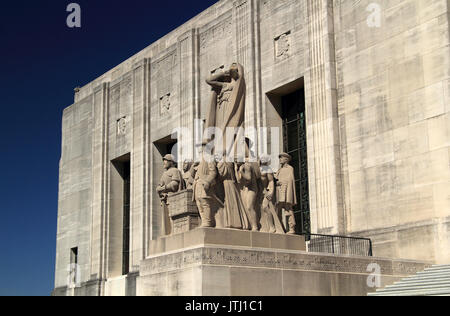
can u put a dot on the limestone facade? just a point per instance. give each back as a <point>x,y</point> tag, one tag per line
<point>377,96</point>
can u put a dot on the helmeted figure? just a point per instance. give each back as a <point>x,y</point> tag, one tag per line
<point>171,182</point>
<point>286,195</point>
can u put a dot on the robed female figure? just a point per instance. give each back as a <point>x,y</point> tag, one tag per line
<point>227,108</point>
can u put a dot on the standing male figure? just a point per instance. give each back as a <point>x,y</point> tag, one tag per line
<point>203,195</point>
<point>171,182</point>
<point>286,194</point>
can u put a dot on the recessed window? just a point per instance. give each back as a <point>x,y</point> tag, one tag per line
<point>126,219</point>
<point>119,230</point>
<point>294,136</point>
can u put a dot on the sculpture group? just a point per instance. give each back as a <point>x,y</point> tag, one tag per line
<point>237,195</point>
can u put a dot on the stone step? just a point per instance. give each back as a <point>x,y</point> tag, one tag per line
<point>424,289</point>
<point>434,272</point>
<point>433,281</point>
<point>418,284</point>
<point>429,276</point>
<point>417,293</point>
<point>423,278</point>
<point>438,268</point>
<point>413,293</point>
<point>443,287</point>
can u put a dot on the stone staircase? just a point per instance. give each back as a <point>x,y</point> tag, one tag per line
<point>434,281</point>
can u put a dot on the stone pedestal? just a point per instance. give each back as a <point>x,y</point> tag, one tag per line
<point>212,237</point>
<point>218,262</point>
<point>183,212</point>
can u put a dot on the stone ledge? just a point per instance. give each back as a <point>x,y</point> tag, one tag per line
<point>226,237</point>
<point>243,271</point>
<point>275,259</point>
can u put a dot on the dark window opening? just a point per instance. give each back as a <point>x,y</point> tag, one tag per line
<point>74,255</point>
<point>126,219</point>
<point>123,167</point>
<point>294,138</point>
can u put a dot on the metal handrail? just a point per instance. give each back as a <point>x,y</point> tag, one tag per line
<point>335,244</point>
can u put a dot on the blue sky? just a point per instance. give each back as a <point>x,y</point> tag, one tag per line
<point>42,62</point>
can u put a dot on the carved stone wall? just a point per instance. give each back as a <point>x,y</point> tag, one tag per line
<point>323,125</point>
<point>217,50</point>
<point>276,260</point>
<point>393,107</point>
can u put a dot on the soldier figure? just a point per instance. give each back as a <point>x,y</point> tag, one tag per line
<point>171,182</point>
<point>203,189</point>
<point>286,195</point>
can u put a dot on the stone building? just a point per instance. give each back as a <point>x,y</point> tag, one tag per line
<point>360,89</point>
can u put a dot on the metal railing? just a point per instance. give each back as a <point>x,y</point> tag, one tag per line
<point>341,245</point>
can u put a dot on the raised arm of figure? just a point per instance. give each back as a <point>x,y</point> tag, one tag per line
<point>217,80</point>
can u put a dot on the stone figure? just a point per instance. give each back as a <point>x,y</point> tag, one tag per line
<point>188,173</point>
<point>227,108</point>
<point>286,195</point>
<point>233,214</point>
<point>249,179</point>
<point>171,182</point>
<point>203,189</point>
<point>270,222</point>
<point>228,193</point>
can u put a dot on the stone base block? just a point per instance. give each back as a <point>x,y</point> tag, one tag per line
<point>226,237</point>
<point>116,286</point>
<point>90,288</point>
<point>212,262</point>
